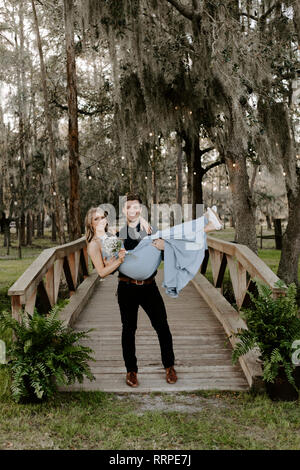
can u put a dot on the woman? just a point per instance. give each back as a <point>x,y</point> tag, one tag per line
<point>184,246</point>
<point>96,230</point>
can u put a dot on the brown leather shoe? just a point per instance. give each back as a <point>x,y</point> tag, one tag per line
<point>171,375</point>
<point>131,379</point>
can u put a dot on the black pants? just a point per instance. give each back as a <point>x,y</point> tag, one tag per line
<point>130,297</point>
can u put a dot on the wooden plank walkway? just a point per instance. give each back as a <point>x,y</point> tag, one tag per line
<point>202,351</point>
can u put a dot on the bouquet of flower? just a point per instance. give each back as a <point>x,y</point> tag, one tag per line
<point>112,245</point>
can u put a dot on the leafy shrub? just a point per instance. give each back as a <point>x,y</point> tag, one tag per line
<point>273,325</point>
<point>43,355</point>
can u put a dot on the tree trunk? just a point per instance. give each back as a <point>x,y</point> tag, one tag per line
<point>154,185</point>
<point>74,163</point>
<point>197,178</point>
<point>189,162</point>
<point>20,235</point>
<point>43,223</point>
<point>289,260</point>
<point>22,230</point>
<point>54,185</point>
<point>39,224</point>
<point>20,79</point>
<point>67,214</point>
<point>29,229</point>
<point>243,204</point>
<point>33,225</point>
<point>6,239</point>
<point>53,233</point>
<point>278,234</point>
<point>179,172</point>
<point>268,219</point>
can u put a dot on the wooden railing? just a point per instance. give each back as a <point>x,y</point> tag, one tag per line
<point>70,258</point>
<point>243,264</point>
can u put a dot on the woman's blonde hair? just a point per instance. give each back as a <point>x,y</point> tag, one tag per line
<point>88,222</point>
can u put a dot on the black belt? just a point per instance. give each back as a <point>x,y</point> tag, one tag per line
<point>136,281</point>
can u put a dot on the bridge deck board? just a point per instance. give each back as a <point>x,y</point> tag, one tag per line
<point>202,352</point>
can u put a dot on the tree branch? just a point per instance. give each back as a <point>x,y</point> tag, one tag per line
<point>208,149</point>
<point>3,36</point>
<point>262,17</point>
<point>195,5</point>
<point>80,111</point>
<point>185,11</point>
<point>212,165</point>
<point>249,16</point>
<point>269,11</point>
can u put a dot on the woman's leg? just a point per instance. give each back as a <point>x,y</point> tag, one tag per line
<point>185,231</point>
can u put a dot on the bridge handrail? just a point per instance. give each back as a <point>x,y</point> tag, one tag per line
<point>243,264</point>
<point>50,263</point>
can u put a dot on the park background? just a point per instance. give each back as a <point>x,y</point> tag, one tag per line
<point>184,102</point>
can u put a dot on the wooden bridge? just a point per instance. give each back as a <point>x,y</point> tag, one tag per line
<point>201,320</point>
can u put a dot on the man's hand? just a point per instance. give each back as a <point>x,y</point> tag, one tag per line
<point>121,255</point>
<point>145,225</point>
<point>159,244</point>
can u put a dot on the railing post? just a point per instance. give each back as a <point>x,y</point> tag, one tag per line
<point>15,306</point>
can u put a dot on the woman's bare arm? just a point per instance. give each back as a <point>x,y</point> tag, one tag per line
<point>96,256</point>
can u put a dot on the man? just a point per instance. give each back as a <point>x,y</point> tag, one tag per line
<point>133,293</point>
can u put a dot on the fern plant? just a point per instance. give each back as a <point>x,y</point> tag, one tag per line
<point>273,325</point>
<point>44,354</point>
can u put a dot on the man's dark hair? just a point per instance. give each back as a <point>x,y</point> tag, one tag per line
<point>131,196</point>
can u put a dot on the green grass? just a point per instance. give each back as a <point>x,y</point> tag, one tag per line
<point>97,420</point>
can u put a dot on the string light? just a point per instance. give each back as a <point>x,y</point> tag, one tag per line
<point>146,177</point>
<point>191,112</point>
<point>195,173</point>
<point>15,203</point>
<point>150,134</point>
<point>90,177</point>
<point>233,165</point>
<point>54,193</point>
<point>284,173</point>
